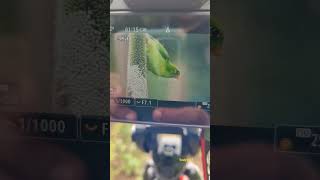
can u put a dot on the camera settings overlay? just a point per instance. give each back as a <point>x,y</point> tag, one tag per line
<point>65,127</point>
<point>297,139</point>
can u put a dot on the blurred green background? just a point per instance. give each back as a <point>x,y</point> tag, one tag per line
<point>126,160</point>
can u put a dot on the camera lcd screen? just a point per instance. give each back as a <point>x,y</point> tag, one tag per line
<point>160,61</point>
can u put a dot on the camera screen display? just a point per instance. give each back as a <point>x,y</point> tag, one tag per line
<point>160,61</point>
<point>169,144</point>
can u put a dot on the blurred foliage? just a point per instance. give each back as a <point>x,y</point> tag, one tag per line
<point>126,160</point>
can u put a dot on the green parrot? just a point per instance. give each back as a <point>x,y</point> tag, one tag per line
<point>158,60</point>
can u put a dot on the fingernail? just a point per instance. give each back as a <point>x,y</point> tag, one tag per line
<point>131,116</point>
<point>157,115</point>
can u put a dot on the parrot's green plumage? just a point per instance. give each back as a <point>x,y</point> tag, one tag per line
<point>158,59</point>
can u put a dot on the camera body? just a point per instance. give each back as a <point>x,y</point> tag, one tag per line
<point>170,147</point>
<point>146,138</point>
<point>160,5</point>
